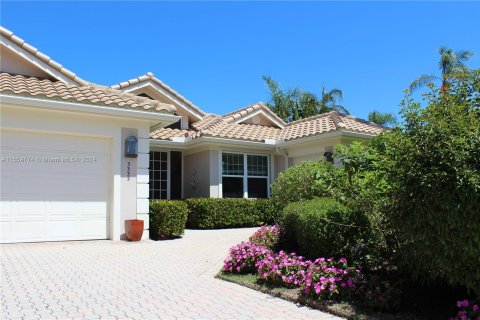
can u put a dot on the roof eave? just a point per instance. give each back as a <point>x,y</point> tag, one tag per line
<point>56,105</point>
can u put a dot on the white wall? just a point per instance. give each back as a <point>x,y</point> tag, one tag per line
<point>37,120</point>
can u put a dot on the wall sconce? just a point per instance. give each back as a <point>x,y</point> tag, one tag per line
<point>131,147</point>
<point>329,156</point>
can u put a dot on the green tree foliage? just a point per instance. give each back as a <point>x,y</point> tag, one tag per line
<point>435,178</point>
<point>384,119</point>
<point>451,63</point>
<point>295,104</point>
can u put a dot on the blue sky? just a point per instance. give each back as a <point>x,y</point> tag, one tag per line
<point>214,53</point>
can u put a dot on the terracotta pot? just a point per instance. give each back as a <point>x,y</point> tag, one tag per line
<point>134,229</point>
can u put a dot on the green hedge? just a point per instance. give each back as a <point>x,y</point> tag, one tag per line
<point>323,227</point>
<point>209,213</point>
<point>167,219</point>
<point>308,180</point>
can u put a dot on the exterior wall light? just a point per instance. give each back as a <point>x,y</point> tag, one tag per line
<point>131,147</point>
<point>329,156</point>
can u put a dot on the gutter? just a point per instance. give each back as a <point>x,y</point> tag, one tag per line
<point>185,142</point>
<point>57,105</point>
<point>279,145</point>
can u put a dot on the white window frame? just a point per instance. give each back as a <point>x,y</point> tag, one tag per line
<point>168,172</point>
<point>245,172</point>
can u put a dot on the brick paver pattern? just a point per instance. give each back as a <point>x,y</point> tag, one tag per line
<point>143,280</point>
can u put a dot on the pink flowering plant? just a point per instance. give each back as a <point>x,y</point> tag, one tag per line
<point>267,236</point>
<point>283,268</point>
<point>243,257</point>
<point>468,310</point>
<point>330,279</point>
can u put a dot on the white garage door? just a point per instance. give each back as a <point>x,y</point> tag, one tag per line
<point>53,187</point>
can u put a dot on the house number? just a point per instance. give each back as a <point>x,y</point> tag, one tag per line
<point>128,170</point>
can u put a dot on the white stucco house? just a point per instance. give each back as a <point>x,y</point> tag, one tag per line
<point>65,170</point>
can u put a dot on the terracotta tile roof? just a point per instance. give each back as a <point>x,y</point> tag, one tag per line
<point>43,57</point>
<point>217,126</point>
<point>243,112</point>
<point>150,76</point>
<point>359,125</point>
<point>250,132</point>
<point>307,127</point>
<point>168,133</point>
<point>328,122</point>
<point>206,122</point>
<point>91,94</point>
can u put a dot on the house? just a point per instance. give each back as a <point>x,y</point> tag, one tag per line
<point>78,158</point>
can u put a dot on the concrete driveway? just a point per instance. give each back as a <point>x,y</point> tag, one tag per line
<point>145,280</point>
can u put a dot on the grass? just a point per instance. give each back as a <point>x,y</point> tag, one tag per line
<point>341,309</point>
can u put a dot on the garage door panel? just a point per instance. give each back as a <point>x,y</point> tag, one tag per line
<point>5,230</point>
<point>28,230</point>
<point>89,228</point>
<point>54,187</point>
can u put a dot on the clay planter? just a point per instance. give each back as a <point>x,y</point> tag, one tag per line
<point>134,229</point>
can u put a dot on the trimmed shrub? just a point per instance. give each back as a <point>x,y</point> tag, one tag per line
<point>307,180</point>
<point>167,219</point>
<point>210,213</point>
<point>324,227</point>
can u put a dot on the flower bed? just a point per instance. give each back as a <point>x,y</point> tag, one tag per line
<point>283,268</point>
<point>322,278</point>
<point>267,236</point>
<point>328,278</point>
<point>468,310</point>
<point>243,257</point>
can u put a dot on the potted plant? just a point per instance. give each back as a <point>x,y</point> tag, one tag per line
<point>134,229</point>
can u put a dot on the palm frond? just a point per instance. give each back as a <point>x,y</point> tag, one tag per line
<point>340,109</point>
<point>422,81</point>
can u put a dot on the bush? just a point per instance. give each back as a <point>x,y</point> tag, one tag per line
<point>436,179</point>
<point>267,236</point>
<point>324,227</point>
<point>243,257</point>
<point>305,181</point>
<point>167,219</point>
<point>209,213</point>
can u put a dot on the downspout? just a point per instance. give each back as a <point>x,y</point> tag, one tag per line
<point>283,153</point>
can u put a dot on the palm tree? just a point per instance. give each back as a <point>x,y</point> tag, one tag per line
<point>382,118</point>
<point>282,102</point>
<point>328,101</point>
<point>294,104</point>
<point>451,63</point>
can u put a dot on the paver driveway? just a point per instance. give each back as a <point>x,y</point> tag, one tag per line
<point>121,280</point>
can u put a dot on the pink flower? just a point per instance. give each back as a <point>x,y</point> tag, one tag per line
<point>463,303</point>
<point>475,307</point>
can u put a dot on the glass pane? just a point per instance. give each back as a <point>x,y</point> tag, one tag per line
<point>257,188</point>
<point>232,187</point>
<point>257,165</point>
<point>232,164</point>
<point>158,175</point>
